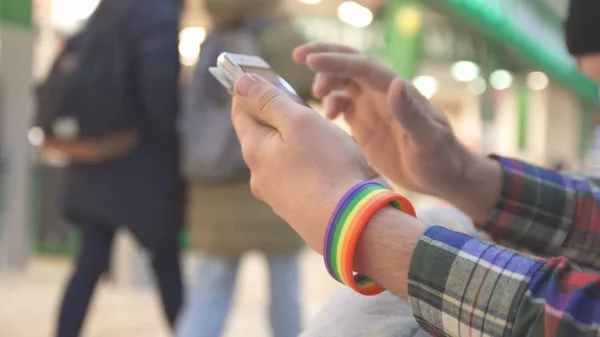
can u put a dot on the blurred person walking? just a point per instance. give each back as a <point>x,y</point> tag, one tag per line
<point>126,179</point>
<point>592,154</point>
<point>227,221</point>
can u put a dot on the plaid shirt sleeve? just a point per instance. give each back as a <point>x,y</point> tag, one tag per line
<point>549,213</point>
<point>461,286</point>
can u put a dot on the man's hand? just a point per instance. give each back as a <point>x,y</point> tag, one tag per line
<point>301,164</point>
<point>402,134</point>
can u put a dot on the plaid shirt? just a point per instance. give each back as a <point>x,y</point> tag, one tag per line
<point>461,286</point>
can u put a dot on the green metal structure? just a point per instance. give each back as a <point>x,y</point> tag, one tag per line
<point>16,12</point>
<point>495,19</point>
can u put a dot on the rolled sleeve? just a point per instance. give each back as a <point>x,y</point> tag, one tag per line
<point>455,282</point>
<point>459,286</point>
<point>547,212</point>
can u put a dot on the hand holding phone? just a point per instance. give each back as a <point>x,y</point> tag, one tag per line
<point>231,67</point>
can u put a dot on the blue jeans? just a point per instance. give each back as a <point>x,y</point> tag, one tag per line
<point>209,302</point>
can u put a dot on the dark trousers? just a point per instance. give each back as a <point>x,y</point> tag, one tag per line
<point>93,261</point>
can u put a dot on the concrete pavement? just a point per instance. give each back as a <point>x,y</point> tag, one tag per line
<point>28,302</point>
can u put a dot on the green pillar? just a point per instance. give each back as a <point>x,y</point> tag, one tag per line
<point>524,95</point>
<point>17,12</point>
<point>404,36</point>
<point>488,106</point>
<point>17,35</point>
<point>589,116</point>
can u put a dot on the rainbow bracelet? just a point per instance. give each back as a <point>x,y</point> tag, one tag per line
<point>345,227</point>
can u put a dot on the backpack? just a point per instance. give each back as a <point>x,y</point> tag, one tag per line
<point>84,110</point>
<point>211,152</point>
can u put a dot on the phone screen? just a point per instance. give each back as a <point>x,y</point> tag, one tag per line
<point>271,76</point>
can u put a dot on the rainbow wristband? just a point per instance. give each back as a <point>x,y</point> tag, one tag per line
<point>346,225</point>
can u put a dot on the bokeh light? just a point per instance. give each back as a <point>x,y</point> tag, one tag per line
<point>190,40</point>
<point>464,71</point>
<point>501,79</point>
<point>355,14</point>
<point>427,85</point>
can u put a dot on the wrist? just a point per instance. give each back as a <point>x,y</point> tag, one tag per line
<point>386,247</point>
<point>362,206</point>
<point>477,188</point>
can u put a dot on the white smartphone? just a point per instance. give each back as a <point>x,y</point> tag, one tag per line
<point>231,67</point>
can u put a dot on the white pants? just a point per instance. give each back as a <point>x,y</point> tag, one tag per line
<point>350,314</point>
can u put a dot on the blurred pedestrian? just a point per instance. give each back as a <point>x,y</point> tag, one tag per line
<point>139,189</point>
<point>226,220</point>
<point>583,39</point>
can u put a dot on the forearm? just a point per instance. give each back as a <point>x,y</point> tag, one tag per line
<point>385,249</point>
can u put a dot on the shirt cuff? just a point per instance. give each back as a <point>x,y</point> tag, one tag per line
<point>457,282</point>
<point>531,210</point>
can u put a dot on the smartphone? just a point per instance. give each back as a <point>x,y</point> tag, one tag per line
<point>231,67</point>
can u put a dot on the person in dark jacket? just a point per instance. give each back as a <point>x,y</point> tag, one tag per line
<point>582,35</point>
<point>141,192</point>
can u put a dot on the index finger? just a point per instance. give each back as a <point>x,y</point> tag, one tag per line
<point>352,66</point>
<point>264,102</point>
<point>301,53</point>
<point>250,133</point>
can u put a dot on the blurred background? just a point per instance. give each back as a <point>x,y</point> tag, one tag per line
<point>499,69</point>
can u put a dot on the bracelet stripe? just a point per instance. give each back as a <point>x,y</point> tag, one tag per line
<point>350,228</point>
<point>399,203</point>
<point>347,223</point>
<point>334,229</point>
<point>358,226</point>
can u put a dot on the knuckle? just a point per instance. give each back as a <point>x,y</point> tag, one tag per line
<point>268,98</point>
<point>235,106</point>
<point>234,116</point>
<point>255,187</point>
<point>249,154</point>
<point>301,120</point>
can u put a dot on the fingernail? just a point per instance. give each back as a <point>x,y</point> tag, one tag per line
<point>244,85</point>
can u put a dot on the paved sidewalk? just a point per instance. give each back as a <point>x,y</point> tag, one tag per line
<point>28,303</point>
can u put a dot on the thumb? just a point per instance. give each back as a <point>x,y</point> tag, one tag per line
<point>263,101</point>
<point>414,113</point>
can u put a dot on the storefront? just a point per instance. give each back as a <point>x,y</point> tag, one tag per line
<point>501,72</point>
<point>497,68</point>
